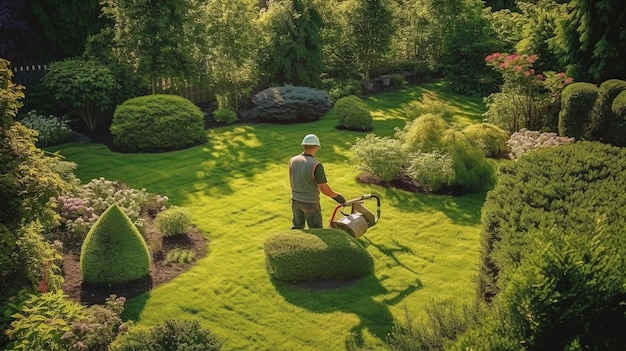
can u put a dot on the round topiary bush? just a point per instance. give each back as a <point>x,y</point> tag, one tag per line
<point>577,104</point>
<point>175,220</point>
<point>490,138</point>
<point>618,124</point>
<point>157,123</point>
<point>316,254</point>
<point>353,114</point>
<point>114,251</point>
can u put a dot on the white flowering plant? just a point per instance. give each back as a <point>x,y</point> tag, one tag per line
<point>52,130</point>
<point>525,140</point>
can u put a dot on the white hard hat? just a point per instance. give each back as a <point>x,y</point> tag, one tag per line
<point>311,139</point>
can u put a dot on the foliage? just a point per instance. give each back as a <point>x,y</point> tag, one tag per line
<point>171,335</point>
<point>180,256</point>
<point>79,210</point>
<point>85,87</point>
<point>558,187</point>
<point>442,326</point>
<point>336,88</point>
<point>423,133</point>
<point>589,40</point>
<point>353,114</point>
<point>173,221</point>
<point>114,251</point>
<point>290,103</point>
<point>52,322</point>
<point>577,104</point>
<point>371,26</point>
<point>232,38</point>
<point>292,53</point>
<point>316,254</point>
<point>11,95</point>
<point>618,124</point>
<point>433,170</point>
<point>490,138</point>
<point>51,130</point>
<point>604,124</point>
<point>539,23</point>
<point>174,53</point>
<point>523,141</point>
<point>156,123</point>
<point>398,81</point>
<point>472,171</point>
<point>380,156</point>
<point>225,115</point>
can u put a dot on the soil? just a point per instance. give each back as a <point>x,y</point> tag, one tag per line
<point>161,271</point>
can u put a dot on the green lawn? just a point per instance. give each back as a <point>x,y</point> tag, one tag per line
<point>236,187</point>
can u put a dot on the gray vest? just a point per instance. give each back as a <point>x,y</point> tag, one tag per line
<point>303,185</point>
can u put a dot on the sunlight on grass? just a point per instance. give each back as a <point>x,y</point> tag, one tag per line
<point>236,188</point>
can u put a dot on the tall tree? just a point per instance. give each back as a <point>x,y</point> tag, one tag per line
<point>161,39</point>
<point>294,52</point>
<point>591,40</point>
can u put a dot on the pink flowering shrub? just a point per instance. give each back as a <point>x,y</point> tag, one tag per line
<point>525,140</point>
<point>527,98</point>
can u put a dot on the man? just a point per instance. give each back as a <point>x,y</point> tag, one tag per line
<point>307,181</point>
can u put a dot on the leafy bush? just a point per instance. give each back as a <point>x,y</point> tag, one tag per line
<point>423,133</point>
<point>172,335</point>
<point>602,116</point>
<point>85,86</point>
<point>114,252</point>
<point>398,81</point>
<point>524,141</point>
<point>472,172</point>
<point>316,254</point>
<point>490,138</point>
<point>433,170</point>
<point>180,256</point>
<point>577,103</point>
<point>173,221</point>
<point>382,157</point>
<point>157,122</point>
<point>290,103</point>
<point>225,115</point>
<point>353,114</point>
<point>336,88</point>
<point>51,130</point>
<point>618,124</point>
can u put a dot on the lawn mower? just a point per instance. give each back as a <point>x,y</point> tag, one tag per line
<point>359,219</point>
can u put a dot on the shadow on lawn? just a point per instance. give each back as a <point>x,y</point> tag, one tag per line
<point>356,297</point>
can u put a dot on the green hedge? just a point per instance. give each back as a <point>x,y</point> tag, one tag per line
<point>316,254</point>
<point>157,123</point>
<point>618,123</point>
<point>603,116</point>
<point>114,251</point>
<point>577,105</point>
<point>353,114</point>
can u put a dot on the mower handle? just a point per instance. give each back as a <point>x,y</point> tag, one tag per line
<point>358,199</point>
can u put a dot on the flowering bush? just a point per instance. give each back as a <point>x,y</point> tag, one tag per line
<point>526,96</point>
<point>52,130</point>
<point>525,140</point>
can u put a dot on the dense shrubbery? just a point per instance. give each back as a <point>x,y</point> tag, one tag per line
<point>618,123</point>
<point>175,220</point>
<point>490,138</point>
<point>157,122</point>
<point>172,335</point>
<point>602,116</point>
<point>577,104</point>
<point>382,157</point>
<point>51,130</point>
<point>290,103</point>
<point>337,88</point>
<point>114,251</point>
<point>316,254</point>
<point>524,141</point>
<point>353,114</point>
<point>553,247</point>
<point>225,115</point>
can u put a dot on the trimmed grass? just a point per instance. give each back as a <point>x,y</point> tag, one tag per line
<point>236,187</point>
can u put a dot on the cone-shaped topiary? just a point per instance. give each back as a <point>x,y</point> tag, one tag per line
<point>114,251</point>
<point>316,254</point>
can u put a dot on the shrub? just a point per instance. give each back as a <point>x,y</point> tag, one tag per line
<point>225,115</point>
<point>114,252</point>
<point>173,221</point>
<point>524,141</point>
<point>398,81</point>
<point>423,133</point>
<point>618,124</point>
<point>290,103</point>
<point>85,86</point>
<point>51,130</point>
<point>433,170</point>
<point>336,88</point>
<point>490,138</point>
<point>180,256</point>
<point>472,172</point>
<point>171,335</point>
<point>316,254</point>
<point>602,117</point>
<point>157,122</point>
<point>353,114</point>
<point>382,157</point>
<point>577,103</point>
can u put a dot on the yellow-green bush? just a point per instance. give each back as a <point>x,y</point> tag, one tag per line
<point>175,220</point>
<point>490,138</point>
<point>114,251</point>
<point>316,254</point>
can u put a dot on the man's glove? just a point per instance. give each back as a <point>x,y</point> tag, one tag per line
<point>339,199</point>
